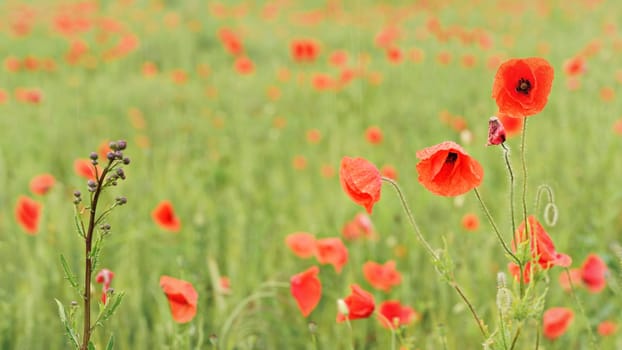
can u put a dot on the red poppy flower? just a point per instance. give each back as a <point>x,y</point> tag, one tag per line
<point>359,227</point>
<point>244,65</point>
<point>575,279</point>
<point>41,184</point>
<point>541,246</point>
<point>512,126</point>
<point>373,134</point>
<point>301,243</point>
<point>607,328</point>
<point>447,170</point>
<point>27,213</point>
<point>360,304</point>
<point>165,217</point>
<point>394,314</point>
<point>104,277</point>
<point>182,298</point>
<point>84,168</point>
<point>555,322</point>
<point>306,289</point>
<point>574,66</point>
<point>382,277</point>
<point>522,86</point>
<point>389,171</point>
<point>304,50</point>
<point>361,180</point>
<point>331,251</point>
<point>470,222</point>
<point>593,272</point>
<point>224,285</point>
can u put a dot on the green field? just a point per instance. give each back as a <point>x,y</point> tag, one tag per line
<point>232,153</point>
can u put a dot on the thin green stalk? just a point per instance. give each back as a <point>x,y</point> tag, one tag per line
<point>524,165</point>
<point>351,333</point>
<point>516,337</point>
<point>581,310</point>
<point>435,257</point>
<point>508,165</point>
<point>494,227</point>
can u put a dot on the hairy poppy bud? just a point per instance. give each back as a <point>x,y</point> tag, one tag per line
<point>496,132</point>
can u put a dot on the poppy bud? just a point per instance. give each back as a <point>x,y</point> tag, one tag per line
<point>496,132</point>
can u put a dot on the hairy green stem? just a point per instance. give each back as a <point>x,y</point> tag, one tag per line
<point>435,257</point>
<point>494,227</point>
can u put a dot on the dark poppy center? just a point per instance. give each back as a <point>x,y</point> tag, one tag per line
<point>451,158</point>
<point>523,86</point>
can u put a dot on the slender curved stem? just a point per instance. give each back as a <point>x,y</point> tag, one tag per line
<point>435,257</point>
<point>508,165</point>
<point>524,165</point>
<point>495,228</point>
<point>515,337</point>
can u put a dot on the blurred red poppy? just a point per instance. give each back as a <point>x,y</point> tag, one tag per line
<point>512,126</point>
<point>361,180</point>
<point>555,322</point>
<point>244,65</point>
<point>607,328</point>
<point>85,169</point>
<point>182,298</point>
<point>304,50</point>
<point>373,134</point>
<point>41,184</point>
<point>470,222</point>
<point>382,277</point>
<point>593,273</point>
<point>359,227</point>
<point>27,214</point>
<point>393,314</point>
<point>331,251</point>
<point>565,280</point>
<point>522,86</point>
<point>165,217</point>
<point>447,170</point>
<point>306,289</point>
<point>104,277</point>
<point>360,304</point>
<point>388,171</point>
<point>574,66</point>
<point>301,243</point>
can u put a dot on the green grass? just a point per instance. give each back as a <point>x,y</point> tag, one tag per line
<point>238,195</point>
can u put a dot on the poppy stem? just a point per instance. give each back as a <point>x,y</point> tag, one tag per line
<point>88,261</point>
<point>515,339</point>
<point>581,310</point>
<point>495,228</point>
<point>435,257</point>
<point>508,165</point>
<point>411,218</point>
<point>524,164</point>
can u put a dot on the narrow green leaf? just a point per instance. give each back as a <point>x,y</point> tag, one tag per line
<point>91,345</point>
<point>69,276</point>
<point>71,334</point>
<point>111,306</point>
<point>110,342</point>
<point>78,222</point>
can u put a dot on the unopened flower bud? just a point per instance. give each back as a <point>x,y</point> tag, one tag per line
<point>93,156</point>
<point>120,173</point>
<point>126,161</point>
<point>110,155</point>
<point>121,200</point>
<point>342,307</point>
<point>113,146</point>
<point>121,144</point>
<point>77,194</point>
<point>496,132</point>
<point>504,300</point>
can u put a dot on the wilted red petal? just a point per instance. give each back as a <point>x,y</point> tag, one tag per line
<point>447,170</point>
<point>165,217</point>
<point>41,184</point>
<point>555,321</point>
<point>331,251</point>
<point>301,243</point>
<point>542,247</point>
<point>593,273</point>
<point>522,86</point>
<point>27,214</point>
<point>306,289</point>
<point>182,298</point>
<point>393,314</point>
<point>361,180</point>
<point>360,304</point>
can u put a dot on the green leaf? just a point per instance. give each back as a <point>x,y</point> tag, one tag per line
<point>91,345</point>
<point>78,222</point>
<point>69,276</point>
<point>71,334</point>
<point>110,342</point>
<point>110,308</point>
